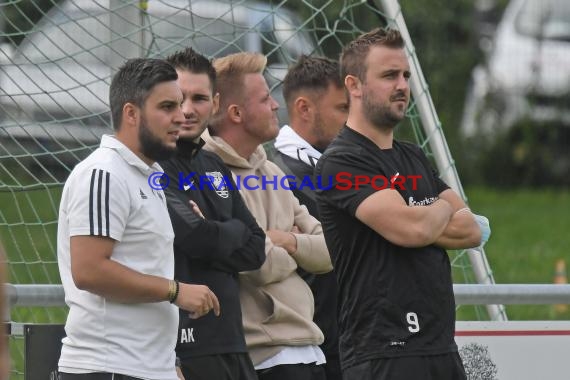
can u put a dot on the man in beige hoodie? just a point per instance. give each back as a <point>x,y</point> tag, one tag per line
<point>277,304</point>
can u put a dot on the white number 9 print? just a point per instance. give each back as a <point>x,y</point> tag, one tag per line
<point>414,324</point>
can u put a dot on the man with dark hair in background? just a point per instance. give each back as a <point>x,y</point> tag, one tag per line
<point>115,240</point>
<point>317,105</point>
<point>216,237</point>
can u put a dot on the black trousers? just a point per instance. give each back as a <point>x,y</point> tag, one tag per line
<point>293,372</point>
<point>435,367</point>
<point>235,366</point>
<point>332,367</point>
<point>95,376</point>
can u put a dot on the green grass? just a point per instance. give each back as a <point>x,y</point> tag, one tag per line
<point>28,227</point>
<point>530,232</point>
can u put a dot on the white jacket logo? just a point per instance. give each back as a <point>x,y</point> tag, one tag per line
<point>219,184</point>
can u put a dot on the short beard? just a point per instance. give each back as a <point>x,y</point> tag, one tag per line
<point>151,146</point>
<point>203,127</point>
<point>379,115</point>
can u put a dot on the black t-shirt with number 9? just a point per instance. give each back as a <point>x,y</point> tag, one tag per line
<point>394,301</point>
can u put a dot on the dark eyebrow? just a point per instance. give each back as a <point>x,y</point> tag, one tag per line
<point>406,73</point>
<point>391,71</point>
<point>168,102</point>
<point>201,96</point>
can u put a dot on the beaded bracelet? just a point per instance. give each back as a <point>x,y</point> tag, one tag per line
<point>174,289</point>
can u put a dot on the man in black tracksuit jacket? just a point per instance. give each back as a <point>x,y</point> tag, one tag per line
<point>215,238</point>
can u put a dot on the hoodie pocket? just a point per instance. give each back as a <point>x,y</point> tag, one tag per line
<point>292,313</point>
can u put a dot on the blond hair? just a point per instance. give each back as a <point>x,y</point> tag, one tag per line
<point>230,73</point>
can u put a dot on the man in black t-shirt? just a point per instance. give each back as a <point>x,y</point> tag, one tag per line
<point>388,219</point>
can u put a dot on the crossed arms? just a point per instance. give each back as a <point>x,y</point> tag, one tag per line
<point>445,223</point>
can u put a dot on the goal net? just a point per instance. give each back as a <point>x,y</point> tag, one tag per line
<point>56,61</point>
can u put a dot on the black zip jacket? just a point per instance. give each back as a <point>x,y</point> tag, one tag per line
<point>210,251</point>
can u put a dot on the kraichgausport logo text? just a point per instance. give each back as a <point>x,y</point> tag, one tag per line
<point>341,181</point>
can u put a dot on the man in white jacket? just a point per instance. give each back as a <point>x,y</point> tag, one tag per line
<point>317,105</point>
<point>277,304</point>
<point>115,240</point>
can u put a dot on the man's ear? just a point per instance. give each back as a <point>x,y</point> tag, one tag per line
<point>216,101</point>
<point>303,107</point>
<point>353,85</point>
<point>131,114</point>
<point>235,113</point>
